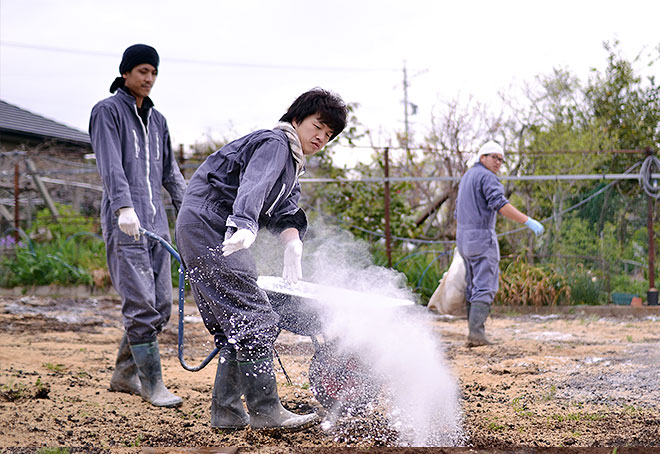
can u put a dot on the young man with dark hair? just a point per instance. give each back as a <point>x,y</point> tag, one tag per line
<point>249,184</point>
<point>134,157</point>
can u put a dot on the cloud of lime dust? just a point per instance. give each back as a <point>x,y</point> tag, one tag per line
<point>397,345</point>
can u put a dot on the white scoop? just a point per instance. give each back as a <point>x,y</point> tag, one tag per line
<point>326,293</point>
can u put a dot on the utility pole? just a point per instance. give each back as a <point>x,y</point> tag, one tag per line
<point>409,109</point>
<point>405,110</point>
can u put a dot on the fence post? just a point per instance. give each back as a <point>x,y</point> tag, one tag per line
<point>32,169</point>
<point>649,228</point>
<point>16,208</point>
<point>4,213</point>
<point>77,196</point>
<point>388,238</point>
<point>652,294</point>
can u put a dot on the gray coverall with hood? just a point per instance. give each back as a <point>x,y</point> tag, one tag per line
<point>248,184</point>
<point>135,161</point>
<point>480,197</point>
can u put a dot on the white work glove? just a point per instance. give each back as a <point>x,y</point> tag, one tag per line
<point>535,226</point>
<point>292,271</point>
<point>128,222</point>
<point>241,239</point>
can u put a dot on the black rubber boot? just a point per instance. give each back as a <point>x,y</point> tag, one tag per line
<point>479,311</point>
<point>264,406</point>
<point>227,411</point>
<point>124,378</point>
<point>147,359</point>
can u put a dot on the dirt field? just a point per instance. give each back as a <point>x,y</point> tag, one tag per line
<point>586,377</point>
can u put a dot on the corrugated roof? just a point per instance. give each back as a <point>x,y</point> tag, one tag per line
<point>17,120</point>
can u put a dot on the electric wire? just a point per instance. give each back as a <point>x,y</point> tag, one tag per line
<point>203,62</point>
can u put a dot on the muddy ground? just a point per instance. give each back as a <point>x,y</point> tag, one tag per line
<point>584,377</point>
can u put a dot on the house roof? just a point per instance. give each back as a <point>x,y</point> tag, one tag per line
<point>17,121</point>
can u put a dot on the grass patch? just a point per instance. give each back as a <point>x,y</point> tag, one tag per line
<point>57,368</point>
<point>550,395</point>
<point>579,416</point>
<point>521,408</point>
<point>137,442</point>
<point>17,391</point>
<point>495,427</point>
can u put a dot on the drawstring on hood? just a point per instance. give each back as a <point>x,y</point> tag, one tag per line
<point>294,145</point>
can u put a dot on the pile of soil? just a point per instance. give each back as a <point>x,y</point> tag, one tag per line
<point>584,378</point>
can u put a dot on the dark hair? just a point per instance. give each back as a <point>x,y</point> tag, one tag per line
<point>331,109</point>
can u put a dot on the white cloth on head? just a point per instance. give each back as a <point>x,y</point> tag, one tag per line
<point>490,147</point>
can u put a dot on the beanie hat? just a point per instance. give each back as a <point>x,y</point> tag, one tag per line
<point>135,55</point>
<point>138,54</point>
<point>490,147</point>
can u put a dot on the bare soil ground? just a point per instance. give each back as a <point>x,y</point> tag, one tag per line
<point>584,378</point>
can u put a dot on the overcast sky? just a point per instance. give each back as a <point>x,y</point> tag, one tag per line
<point>228,67</point>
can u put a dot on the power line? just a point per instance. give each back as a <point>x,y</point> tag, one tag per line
<point>202,62</point>
<point>512,152</point>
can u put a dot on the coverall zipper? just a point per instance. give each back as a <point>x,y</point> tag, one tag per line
<point>145,130</point>
<point>277,199</point>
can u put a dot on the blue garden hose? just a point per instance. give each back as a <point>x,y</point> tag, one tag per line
<point>182,284</point>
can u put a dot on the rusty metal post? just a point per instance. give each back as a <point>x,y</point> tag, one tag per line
<point>16,192</point>
<point>652,294</point>
<point>388,237</point>
<point>649,228</point>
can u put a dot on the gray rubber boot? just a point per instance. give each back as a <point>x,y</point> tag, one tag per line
<point>266,411</point>
<point>227,411</point>
<point>479,311</point>
<point>124,378</point>
<point>147,359</point>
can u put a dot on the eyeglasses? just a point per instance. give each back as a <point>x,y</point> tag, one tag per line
<point>497,158</point>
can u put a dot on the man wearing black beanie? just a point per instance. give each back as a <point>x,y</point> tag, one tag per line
<point>134,157</point>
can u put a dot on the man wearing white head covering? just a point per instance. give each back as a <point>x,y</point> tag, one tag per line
<point>480,198</point>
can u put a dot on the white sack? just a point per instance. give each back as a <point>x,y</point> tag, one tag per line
<point>449,297</point>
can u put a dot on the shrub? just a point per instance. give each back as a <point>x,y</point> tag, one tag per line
<point>586,286</point>
<point>38,266</point>
<point>70,223</point>
<point>523,284</point>
<point>67,256</point>
<point>423,268</point>
<point>622,283</point>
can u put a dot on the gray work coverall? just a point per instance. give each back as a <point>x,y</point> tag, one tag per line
<point>250,183</point>
<point>135,161</point>
<point>480,197</point>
